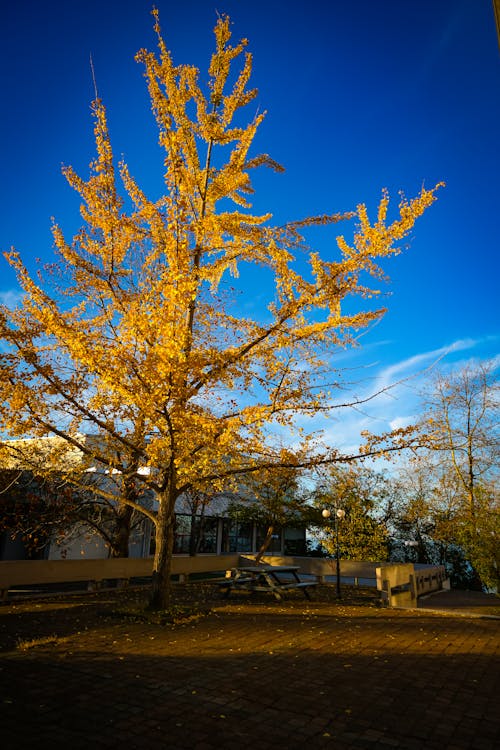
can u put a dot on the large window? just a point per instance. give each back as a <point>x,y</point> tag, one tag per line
<point>275,546</point>
<point>195,534</point>
<point>205,534</point>
<point>182,534</point>
<point>236,536</point>
<point>199,535</point>
<point>295,541</point>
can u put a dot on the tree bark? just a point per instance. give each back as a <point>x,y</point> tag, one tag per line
<point>265,544</point>
<point>121,533</point>
<point>162,565</point>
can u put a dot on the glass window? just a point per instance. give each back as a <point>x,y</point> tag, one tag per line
<point>205,534</point>
<point>182,534</point>
<point>236,537</point>
<point>275,546</point>
<point>295,542</point>
<point>195,534</point>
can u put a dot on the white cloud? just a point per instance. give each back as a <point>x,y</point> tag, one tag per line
<point>421,363</point>
<point>401,422</point>
<point>11,298</point>
<point>389,399</point>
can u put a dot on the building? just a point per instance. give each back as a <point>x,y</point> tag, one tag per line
<point>204,525</point>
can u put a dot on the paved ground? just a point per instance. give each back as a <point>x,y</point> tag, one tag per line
<point>465,602</point>
<point>251,674</point>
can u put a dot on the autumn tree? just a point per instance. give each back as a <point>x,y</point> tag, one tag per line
<point>426,503</point>
<point>23,515</point>
<point>461,425</point>
<point>52,503</point>
<point>272,498</point>
<point>430,524</point>
<point>460,430</point>
<point>360,494</point>
<point>133,333</point>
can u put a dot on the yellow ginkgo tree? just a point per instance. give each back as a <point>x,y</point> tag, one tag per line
<point>134,334</point>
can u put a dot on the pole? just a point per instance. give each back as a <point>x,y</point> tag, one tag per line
<point>339,514</point>
<point>337,554</point>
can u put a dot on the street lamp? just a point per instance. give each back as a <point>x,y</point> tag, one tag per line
<point>338,516</point>
<point>411,543</point>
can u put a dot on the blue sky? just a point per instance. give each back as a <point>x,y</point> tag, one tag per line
<point>360,96</point>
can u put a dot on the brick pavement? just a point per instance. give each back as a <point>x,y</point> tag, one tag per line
<point>260,674</point>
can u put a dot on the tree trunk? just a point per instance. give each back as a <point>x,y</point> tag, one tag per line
<point>161,588</point>
<point>120,535</point>
<point>265,544</point>
<point>197,530</point>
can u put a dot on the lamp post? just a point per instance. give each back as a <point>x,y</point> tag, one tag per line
<point>411,543</point>
<point>338,516</point>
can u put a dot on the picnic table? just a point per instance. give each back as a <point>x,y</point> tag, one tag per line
<point>267,578</point>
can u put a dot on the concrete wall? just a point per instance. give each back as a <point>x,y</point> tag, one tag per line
<point>32,572</point>
<point>321,567</point>
<point>38,572</point>
<point>400,585</point>
<point>396,583</point>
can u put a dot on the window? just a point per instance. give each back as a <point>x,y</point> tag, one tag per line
<point>295,542</point>
<point>182,534</point>
<point>195,534</point>
<point>205,534</point>
<point>275,546</point>
<point>236,536</point>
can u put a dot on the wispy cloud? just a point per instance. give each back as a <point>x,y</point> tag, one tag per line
<point>401,422</point>
<point>420,363</point>
<point>11,298</point>
<point>389,399</point>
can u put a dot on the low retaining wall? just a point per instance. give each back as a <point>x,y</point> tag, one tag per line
<point>431,579</point>
<point>15,573</point>
<point>323,567</point>
<point>39,572</point>
<point>400,584</point>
